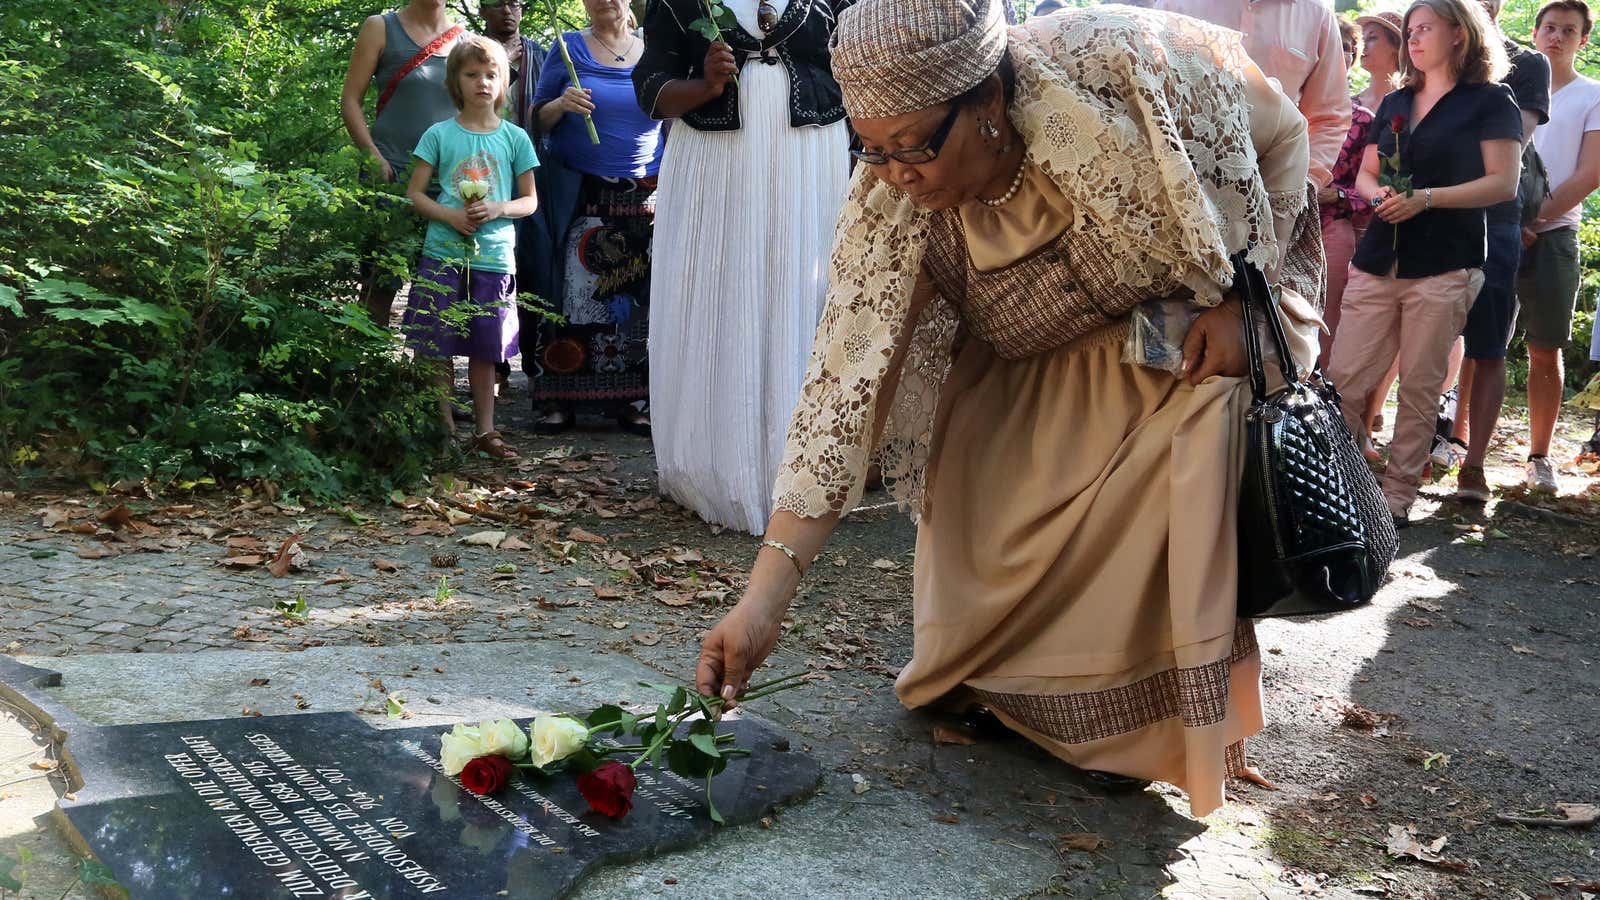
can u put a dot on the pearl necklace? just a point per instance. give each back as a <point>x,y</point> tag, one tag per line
<point>1016,185</point>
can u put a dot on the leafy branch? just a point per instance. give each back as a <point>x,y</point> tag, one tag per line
<point>710,25</point>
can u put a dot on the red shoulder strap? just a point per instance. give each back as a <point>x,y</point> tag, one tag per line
<point>449,35</point>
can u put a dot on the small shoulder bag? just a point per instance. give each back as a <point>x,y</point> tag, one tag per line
<point>1315,535</point>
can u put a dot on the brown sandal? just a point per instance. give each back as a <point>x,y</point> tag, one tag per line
<point>494,444</point>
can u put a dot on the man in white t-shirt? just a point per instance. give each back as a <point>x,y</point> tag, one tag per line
<point>1547,286</point>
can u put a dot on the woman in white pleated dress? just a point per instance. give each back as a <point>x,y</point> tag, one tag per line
<point>755,171</point>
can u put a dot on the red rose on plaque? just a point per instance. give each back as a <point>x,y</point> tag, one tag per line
<point>1397,124</point>
<point>487,774</point>
<point>609,789</point>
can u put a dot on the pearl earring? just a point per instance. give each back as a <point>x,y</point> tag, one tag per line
<point>989,130</point>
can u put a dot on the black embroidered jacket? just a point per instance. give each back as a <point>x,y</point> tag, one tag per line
<point>799,43</point>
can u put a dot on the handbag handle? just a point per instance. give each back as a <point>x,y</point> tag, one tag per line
<point>1250,283</point>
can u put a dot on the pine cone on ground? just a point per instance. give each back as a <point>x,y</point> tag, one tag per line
<point>445,560</point>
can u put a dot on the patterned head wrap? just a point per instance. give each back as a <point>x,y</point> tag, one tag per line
<point>891,57</point>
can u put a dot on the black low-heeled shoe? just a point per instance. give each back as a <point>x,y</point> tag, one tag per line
<point>634,425</point>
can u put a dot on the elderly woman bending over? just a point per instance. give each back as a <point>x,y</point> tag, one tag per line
<point>1023,191</point>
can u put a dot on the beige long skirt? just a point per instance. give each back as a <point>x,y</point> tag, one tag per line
<point>1076,564</point>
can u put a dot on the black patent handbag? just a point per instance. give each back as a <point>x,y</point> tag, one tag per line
<point>1315,535</point>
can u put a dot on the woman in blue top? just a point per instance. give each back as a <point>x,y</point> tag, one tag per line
<point>590,247</point>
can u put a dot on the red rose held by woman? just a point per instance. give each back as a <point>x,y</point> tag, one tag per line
<point>609,789</point>
<point>1397,124</point>
<point>487,774</point>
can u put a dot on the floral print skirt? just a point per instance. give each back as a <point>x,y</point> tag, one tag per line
<point>597,352</point>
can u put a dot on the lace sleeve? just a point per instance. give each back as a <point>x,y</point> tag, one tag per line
<point>873,340</point>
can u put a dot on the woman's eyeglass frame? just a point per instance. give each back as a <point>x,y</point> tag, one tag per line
<point>914,156</point>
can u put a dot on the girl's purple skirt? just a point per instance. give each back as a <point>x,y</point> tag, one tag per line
<point>440,322</point>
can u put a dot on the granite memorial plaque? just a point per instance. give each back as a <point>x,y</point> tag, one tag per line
<point>324,805</point>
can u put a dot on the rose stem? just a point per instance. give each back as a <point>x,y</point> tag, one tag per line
<point>717,31</point>
<point>572,71</point>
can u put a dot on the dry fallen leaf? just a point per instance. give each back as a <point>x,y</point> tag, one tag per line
<point>1525,651</point>
<point>608,592</point>
<point>1573,815</point>
<point>1576,811</point>
<point>885,565</point>
<point>456,516</point>
<point>947,819</point>
<point>1359,717</point>
<point>648,639</point>
<point>117,517</point>
<point>286,558</point>
<point>98,551</point>
<point>1088,842</point>
<point>245,561</point>
<point>249,711</point>
<point>860,785</point>
<point>1403,843</point>
<point>490,539</point>
<point>584,537</point>
<point>943,735</point>
<point>45,765</point>
<point>386,566</point>
<point>672,598</point>
<point>515,543</point>
<point>260,682</point>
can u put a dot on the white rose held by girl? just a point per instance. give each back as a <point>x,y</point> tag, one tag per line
<point>555,738</point>
<point>472,190</point>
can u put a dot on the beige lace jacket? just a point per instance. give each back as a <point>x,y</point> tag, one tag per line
<point>1143,121</point>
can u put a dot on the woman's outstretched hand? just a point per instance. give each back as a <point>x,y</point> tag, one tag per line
<point>738,645</point>
<point>1215,345</point>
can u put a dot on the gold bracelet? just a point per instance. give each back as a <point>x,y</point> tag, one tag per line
<point>787,551</point>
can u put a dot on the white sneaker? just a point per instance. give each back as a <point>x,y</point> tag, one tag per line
<point>1446,454</point>
<point>1542,476</point>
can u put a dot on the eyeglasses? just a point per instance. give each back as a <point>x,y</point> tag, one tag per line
<point>913,156</point>
<point>511,5</point>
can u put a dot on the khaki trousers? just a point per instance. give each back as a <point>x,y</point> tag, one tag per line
<point>1416,319</point>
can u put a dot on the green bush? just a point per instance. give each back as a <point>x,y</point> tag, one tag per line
<point>180,223</point>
